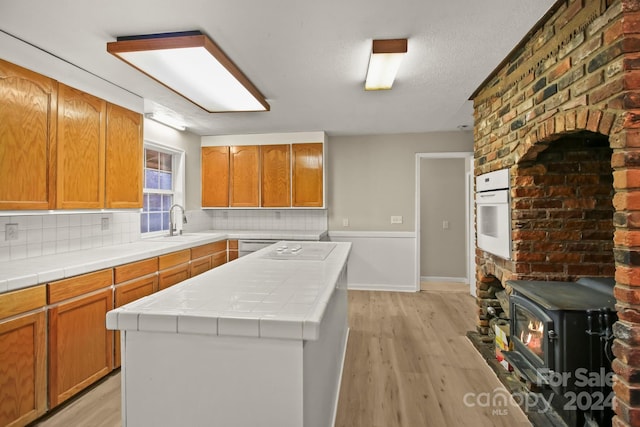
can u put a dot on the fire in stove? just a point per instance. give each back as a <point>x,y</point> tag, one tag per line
<point>532,337</point>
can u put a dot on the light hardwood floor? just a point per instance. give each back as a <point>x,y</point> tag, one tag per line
<point>408,364</point>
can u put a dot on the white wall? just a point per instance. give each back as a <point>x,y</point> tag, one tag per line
<point>380,260</point>
<point>371,178</point>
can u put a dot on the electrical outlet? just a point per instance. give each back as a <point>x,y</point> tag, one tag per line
<point>445,225</point>
<point>277,214</point>
<point>11,232</point>
<point>345,222</point>
<point>396,219</point>
<point>105,224</point>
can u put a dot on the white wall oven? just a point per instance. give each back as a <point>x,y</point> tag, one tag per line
<point>493,213</point>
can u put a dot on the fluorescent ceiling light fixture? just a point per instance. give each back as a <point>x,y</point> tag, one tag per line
<point>192,65</point>
<point>166,120</point>
<point>384,62</point>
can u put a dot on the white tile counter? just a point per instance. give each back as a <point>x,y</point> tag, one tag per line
<point>32,271</point>
<point>259,341</point>
<point>254,296</point>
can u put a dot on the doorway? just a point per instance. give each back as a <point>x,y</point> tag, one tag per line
<point>445,252</point>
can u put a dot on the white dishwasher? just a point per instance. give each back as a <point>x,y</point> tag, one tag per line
<point>245,247</point>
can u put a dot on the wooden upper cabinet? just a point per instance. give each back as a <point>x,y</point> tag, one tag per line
<point>215,177</point>
<point>307,179</point>
<point>81,143</point>
<point>276,176</point>
<point>28,104</point>
<point>123,158</point>
<point>244,181</point>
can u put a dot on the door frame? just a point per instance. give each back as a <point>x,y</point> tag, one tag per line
<point>470,236</point>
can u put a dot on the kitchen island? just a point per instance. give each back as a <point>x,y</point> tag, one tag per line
<point>256,342</point>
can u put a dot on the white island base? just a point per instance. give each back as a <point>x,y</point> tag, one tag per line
<point>199,379</point>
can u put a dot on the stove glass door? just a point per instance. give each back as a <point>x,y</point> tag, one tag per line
<point>530,331</point>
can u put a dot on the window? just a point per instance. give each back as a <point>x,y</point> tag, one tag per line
<point>162,187</point>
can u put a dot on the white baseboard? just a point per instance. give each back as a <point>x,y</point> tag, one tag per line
<point>443,279</point>
<point>380,287</point>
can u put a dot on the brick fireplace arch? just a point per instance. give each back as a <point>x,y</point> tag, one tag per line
<point>575,75</point>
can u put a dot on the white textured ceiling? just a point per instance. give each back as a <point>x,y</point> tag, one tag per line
<point>309,58</point>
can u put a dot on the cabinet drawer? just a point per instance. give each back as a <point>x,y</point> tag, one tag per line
<point>208,249</point>
<point>174,258</point>
<point>23,300</point>
<point>127,272</point>
<point>233,244</point>
<point>200,265</point>
<point>173,275</point>
<point>135,289</point>
<point>78,285</point>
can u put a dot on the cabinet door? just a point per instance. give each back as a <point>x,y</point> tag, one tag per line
<point>129,292</point>
<point>276,176</point>
<point>81,142</point>
<point>80,346</point>
<point>123,158</point>
<point>244,176</point>
<point>172,276</point>
<point>307,175</point>
<point>215,177</point>
<point>28,111</point>
<point>23,375</point>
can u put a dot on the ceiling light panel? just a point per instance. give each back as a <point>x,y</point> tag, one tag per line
<point>384,63</point>
<point>193,66</point>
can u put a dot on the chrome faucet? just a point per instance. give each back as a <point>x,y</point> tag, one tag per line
<point>172,223</point>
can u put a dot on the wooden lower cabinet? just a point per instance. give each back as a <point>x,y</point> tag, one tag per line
<point>133,281</point>
<point>129,292</point>
<point>218,259</point>
<point>200,265</point>
<point>80,346</point>
<point>206,257</point>
<point>23,375</point>
<point>174,268</point>
<point>232,250</point>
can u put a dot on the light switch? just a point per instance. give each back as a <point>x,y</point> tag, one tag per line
<point>396,219</point>
<point>345,222</point>
<point>445,225</point>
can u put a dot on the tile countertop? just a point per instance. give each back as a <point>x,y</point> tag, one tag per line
<point>27,272</point>
<point>255,296</point>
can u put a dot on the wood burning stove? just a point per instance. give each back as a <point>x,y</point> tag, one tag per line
<point>561,334</point>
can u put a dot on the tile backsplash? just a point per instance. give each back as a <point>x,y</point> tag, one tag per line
<point>269,219</point>
<point>55,233</point>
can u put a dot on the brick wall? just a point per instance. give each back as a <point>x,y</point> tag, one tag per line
<point>575,78</point>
